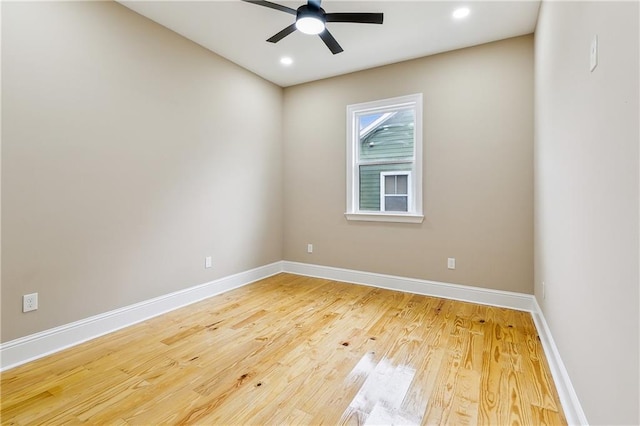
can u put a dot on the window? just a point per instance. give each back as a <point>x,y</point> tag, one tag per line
<point>394,191</point>
<point>384,160</point>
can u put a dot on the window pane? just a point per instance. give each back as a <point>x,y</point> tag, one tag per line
<point>395,204</point>
<point>389,184</point>
<point>370,183</point>
<point>402,184</point>
<point>390,136</point>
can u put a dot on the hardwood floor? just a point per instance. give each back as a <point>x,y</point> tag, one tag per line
<point>298,350</point>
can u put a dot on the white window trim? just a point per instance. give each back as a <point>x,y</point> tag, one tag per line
<point>383,194</point>
<point>353,213</point>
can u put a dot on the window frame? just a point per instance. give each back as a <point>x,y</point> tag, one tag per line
<point>414,215</point>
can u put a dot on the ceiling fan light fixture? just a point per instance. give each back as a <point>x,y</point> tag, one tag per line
<point>310,25</point>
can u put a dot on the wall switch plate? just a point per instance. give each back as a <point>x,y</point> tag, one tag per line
<point>451,263</point>
<point>309,248</point>
<point>593,57</point>
<point>207,262</point>
<point>29,302</point>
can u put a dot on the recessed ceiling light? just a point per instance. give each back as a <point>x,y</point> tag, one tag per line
<point>286,61</point>
<point>461,12</point>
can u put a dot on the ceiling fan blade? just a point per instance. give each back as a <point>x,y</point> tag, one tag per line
<point>358,18</point>
<point>282,34</point>
<point>272,6</point>
<point>315,3</point>
<point>331,42</point>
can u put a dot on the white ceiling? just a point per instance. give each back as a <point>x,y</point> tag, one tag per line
<point>237,31</point>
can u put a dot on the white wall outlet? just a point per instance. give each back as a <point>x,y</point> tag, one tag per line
<point>593,57</point>
<point>309,248</point>
<point>29,302</point>
<point>451,263</point>
<point>207,262</point>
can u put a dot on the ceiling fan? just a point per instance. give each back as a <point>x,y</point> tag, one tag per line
<point>312,19</point>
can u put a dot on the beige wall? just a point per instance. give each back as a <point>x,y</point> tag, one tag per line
<point>478,170</point>
<point>586,186</point>
<point>128,155</point>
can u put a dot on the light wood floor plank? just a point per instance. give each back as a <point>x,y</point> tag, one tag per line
<point>298,350</point>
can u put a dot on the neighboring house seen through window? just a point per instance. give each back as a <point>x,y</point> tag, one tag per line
<point>384,160</point>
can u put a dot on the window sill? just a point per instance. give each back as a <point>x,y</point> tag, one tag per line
<point>385,217</point>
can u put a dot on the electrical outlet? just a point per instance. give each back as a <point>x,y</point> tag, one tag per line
<point>309,248</point>
<point>29,302</point>
<point>207,262</point>
<point>451,263</point>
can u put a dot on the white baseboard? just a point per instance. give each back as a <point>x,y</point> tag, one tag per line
<point>519,301</point>
<point>29,348</point>
<point>505,299</point>
<point>38,345</point>
<point>568,397</point>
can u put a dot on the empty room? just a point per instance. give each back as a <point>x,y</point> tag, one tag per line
<point>323,212</point>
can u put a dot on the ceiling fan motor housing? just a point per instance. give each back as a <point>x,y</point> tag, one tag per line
<point>311,11</point>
